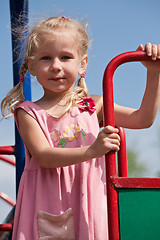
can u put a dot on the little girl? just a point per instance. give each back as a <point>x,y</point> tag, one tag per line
<point>62,194</point>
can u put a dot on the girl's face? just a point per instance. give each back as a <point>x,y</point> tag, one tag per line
<point>57,62</point>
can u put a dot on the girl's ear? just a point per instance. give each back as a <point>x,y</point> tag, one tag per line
<point>84,63</point>
<point>31,67</point>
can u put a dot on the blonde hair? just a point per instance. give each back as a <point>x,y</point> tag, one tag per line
<point>15,96</point>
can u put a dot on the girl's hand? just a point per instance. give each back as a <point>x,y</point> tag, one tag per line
<point>152,51</point>
<point>107,140</point>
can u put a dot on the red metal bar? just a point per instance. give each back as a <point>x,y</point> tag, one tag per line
<point>122,155</point>
<point>123,182</point>
<point>6,227</point>
<point>7,199</point>
<point>108,99</point>
<point>8,160</point>
<point>8,150</point>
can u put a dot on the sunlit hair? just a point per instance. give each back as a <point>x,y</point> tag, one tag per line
<point>15,96</point>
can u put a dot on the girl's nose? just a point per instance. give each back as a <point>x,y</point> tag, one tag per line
<point>56,65</point>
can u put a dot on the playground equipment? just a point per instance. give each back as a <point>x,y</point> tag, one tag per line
<point>133,203</point>
<point>7,227</point>
<point>17,8</point>
<point>8,150</point>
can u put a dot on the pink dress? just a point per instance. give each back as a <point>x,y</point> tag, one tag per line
<point>62,203</point>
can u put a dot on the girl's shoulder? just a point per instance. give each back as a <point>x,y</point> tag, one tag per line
<point>99,106</point>
<point>98,99</point>
<point>27,106</point>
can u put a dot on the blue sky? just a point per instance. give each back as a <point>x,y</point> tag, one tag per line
<point>114,27</point>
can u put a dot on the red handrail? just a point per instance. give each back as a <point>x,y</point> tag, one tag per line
<point>6,227</point>
<point>8,160</point>
<point>8,150</point>
<point>108,99</point>
<point>7,199</point>
<point>122,155</point>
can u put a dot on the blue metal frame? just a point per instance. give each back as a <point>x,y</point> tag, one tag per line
<point>17,8</point>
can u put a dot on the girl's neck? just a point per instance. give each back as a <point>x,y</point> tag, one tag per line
<point>55,106</point>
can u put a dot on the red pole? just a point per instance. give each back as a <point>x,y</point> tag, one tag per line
<point>108,99</point>
<point>7,199</point>
<point>8,160</point>
<point>6,227</point>
<point>122,155</point>
<point>9,150</point>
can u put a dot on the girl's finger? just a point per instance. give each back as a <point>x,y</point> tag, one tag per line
<point>110,129</point>
<point>115,142</point>
<point>115,147</point>
<point>114,136</point>
<point>158,51</point>
<point>148,49</point>
<point>154,52</point>
<point>140,48</point>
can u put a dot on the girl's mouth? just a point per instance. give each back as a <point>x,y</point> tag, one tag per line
<point>57,79</point>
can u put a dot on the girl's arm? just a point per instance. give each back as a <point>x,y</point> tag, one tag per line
<point>38,146</point>
<point>145,115</point>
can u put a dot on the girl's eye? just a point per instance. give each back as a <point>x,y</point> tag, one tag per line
<point>66,57</point>
<point>46,58</point>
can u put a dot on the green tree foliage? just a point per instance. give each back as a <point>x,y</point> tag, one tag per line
<point>135,167</point>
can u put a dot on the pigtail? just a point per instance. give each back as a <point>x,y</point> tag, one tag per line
<point>15,95</point>
<point>81,90</point>
<point>23,68</point>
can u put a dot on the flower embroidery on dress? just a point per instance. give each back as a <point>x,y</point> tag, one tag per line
<point>82,126</point>
<point>70,133</point>
<point>87,104</point>
<point>55,135</point>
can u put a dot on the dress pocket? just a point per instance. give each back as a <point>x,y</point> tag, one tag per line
<point>56,227</point>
